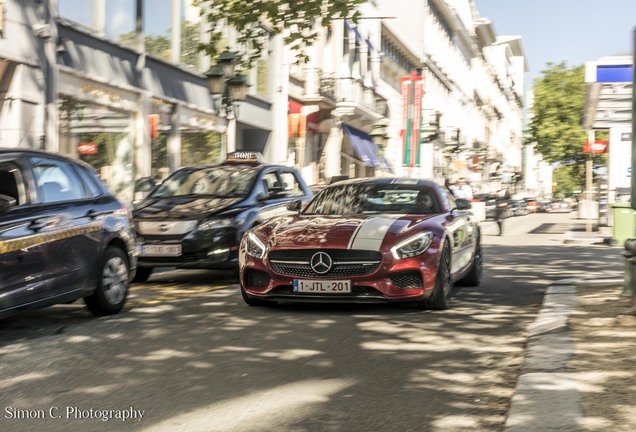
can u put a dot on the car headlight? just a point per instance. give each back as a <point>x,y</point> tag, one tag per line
<point>215,224</point>
<point>412,246</point>
<point>255,246</point>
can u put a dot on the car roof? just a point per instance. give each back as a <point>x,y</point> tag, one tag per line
<point>43,153</point>
<point>235,165</point>
<point>388,180</point>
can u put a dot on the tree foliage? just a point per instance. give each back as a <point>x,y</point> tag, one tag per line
<point>255,21</point>
<point>566,179</point>
<point>159,46</point>
<point>557,114</point>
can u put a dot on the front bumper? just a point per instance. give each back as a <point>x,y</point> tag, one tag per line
<point>214,251</point>
<point>404,280</point>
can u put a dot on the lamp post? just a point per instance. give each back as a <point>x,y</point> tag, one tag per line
<point>379,134</point>
<point>229,88</point>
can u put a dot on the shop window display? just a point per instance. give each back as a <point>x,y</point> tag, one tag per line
<point>101,137</point>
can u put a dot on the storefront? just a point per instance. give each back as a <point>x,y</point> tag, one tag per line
<point>97,124</point>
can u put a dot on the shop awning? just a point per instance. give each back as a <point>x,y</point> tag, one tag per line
<point>364,148</point>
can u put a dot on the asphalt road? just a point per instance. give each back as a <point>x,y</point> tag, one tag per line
<point>188,355</point>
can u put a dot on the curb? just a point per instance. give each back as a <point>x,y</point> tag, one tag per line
<point>546,399</point>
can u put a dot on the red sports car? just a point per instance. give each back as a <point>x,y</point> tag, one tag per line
<point>365,240</point>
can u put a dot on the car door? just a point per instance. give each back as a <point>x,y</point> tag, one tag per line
<point>67,224</point>
<point>24,259</point>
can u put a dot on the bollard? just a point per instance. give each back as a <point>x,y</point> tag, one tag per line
<point>630,270</point>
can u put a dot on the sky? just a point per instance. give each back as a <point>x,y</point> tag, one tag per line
<point>573,31</point>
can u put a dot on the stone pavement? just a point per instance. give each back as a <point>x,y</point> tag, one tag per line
<point>556,390</point>
<point>549,395</point>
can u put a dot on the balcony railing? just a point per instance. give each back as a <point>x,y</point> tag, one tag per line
<point>351,90</point>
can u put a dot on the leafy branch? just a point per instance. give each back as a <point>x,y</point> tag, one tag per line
<point>298,21</point>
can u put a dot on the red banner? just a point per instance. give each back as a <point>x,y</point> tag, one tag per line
<point>599,146</point>
<point>87,148</point>
<point>412,90</point>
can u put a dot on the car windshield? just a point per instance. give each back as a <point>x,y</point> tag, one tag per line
<point>224,181</point>
<point>365,198</point>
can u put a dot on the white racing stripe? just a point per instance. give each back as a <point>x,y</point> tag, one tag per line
<point>370,234</point>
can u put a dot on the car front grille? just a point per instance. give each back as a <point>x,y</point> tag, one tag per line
<point>346,263</point>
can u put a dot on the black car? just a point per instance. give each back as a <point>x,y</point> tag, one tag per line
<point>196,217</point>
<point>63,235</point>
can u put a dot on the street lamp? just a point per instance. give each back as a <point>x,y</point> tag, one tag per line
<point>232,89</point>
<point>379,134</point>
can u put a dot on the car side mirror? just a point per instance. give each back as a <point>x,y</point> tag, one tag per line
<point>145,184</point>
<point>6,202</point>
<point>294,206</point>
<point>463,204</point>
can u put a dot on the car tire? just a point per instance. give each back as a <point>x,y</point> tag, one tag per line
<point>473,277</point>
<point>440,298</point>
<point>251,301</point>
<point>143,274</point>
<point>112,284</point>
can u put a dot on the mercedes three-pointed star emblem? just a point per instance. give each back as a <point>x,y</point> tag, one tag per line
<point>321,263</point>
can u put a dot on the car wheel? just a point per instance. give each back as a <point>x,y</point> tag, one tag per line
<point>143,274</point>
<point>112,284</point>
<point>440,298</point>
<point>251,301</point>
<point>473,277</point>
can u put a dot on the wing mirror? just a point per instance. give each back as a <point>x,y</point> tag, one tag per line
<point>295,206</point>
<point>6,202</point>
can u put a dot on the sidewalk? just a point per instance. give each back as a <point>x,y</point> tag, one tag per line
<point>578,373</point>
<point>580,233</point>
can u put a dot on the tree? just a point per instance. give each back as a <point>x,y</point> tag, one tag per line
<point>256,21</point>
<point>557,114</point>
<point>556,125</point>
<point>566,181</point>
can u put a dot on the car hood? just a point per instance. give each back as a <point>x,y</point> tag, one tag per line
<point>338,232</point>
<point>183,208</point>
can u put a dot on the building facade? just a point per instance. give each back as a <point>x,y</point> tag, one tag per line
<point>134,104</point>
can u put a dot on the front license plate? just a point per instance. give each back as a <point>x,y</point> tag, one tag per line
<point>161,250</point>
<point>322,286</point>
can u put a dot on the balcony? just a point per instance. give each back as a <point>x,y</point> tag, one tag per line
<point>348,95</point>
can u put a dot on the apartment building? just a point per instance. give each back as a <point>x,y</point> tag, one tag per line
<point>134,102</point>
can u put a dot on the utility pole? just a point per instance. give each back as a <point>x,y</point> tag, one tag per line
<point>588,182</point>
<point>633,171</point>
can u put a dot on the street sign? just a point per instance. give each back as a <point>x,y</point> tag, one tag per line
<point>599,146</point>
<point>86,148</point>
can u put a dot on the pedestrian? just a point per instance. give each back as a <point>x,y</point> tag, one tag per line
<point>501,207</point>
<point>463,190</point>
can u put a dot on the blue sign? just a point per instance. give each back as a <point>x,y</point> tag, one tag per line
<point>613,73</point>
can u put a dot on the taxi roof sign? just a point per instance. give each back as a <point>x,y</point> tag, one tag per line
<point>243,158</point>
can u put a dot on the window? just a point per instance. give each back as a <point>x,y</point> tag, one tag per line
<point>56,181</point>
<point>90,182</point>
<point>272,186</point>
<point>291,185</point>
<point>11,182</point>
